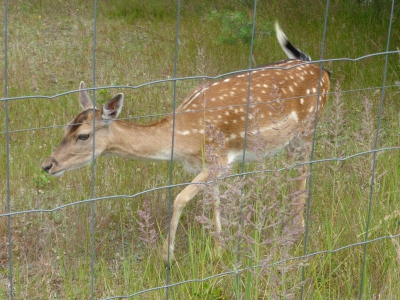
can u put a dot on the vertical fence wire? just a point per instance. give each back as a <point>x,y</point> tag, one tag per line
<point>92,192</point>
<point>374,161</point>
<point>310,179</point>
<point>8,196</point>
<point>237,279</point>
<point>168,270</point>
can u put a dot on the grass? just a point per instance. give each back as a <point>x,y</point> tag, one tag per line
<point>50,51</point>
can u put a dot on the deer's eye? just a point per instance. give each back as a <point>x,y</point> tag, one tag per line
<point>83,137</point>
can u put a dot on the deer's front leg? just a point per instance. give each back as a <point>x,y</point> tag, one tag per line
<point>217,220</point>
<point>301,196</point>
<point>301,146</point>
<point>180,202</point>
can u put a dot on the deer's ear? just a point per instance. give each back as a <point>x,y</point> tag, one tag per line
<point>84,97</point>
<point>112,108</point>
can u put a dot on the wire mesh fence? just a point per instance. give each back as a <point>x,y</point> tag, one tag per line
<point>239,262</point>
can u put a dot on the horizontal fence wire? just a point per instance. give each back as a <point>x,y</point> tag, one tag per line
<point>359,58</point>
<point>159,115</point>
<point>238,271</point>
<point>92,200</point>
<point>240,174</point>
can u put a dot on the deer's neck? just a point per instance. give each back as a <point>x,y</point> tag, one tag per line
<point>149,142</point>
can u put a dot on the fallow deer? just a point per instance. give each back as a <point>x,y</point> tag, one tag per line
<point>295,83</point>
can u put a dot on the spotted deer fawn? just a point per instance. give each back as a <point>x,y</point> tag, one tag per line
<point>294,83</point>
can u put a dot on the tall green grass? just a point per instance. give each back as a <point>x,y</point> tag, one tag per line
<point>50,51</point>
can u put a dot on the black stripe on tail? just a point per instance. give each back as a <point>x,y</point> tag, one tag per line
<point>291,51</point>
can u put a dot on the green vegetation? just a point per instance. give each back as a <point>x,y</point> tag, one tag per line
<point>236,27</point>
<point>50,51</point>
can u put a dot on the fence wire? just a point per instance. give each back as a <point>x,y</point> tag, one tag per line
<point>8,198</point>
<point>373,172</point>
<point>93,199</point>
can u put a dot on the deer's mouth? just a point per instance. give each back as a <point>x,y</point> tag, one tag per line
<point>50,166</point>
<point>57,174</point>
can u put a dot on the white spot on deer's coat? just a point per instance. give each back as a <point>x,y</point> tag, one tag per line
<point>227,80</point>
<point>301,100</point>
<point>186,132</point>
<point>314,90</point>
<point>215,83</point>
<point>293,115</point>
<point>311,109</point>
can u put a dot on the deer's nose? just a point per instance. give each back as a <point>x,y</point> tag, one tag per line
<point>47,167</point>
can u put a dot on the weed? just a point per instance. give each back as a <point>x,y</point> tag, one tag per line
<point>146,226</point>
<point>40,180</point>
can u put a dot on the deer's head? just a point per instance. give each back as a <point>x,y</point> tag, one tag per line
<point>76,147</point>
